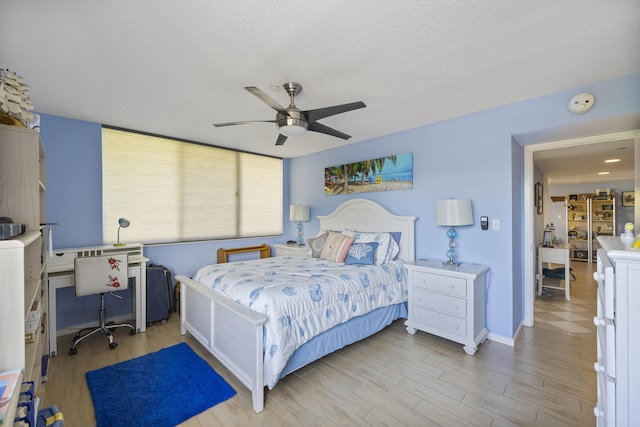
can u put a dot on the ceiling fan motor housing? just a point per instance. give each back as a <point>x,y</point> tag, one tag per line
<point>293,124</point>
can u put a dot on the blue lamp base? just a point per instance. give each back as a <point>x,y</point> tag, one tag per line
<point>300,239</point>
<point>451,262</point>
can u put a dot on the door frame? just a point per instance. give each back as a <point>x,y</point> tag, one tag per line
<point>530,208</point>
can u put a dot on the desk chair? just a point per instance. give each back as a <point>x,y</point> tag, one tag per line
<point>97,275</point>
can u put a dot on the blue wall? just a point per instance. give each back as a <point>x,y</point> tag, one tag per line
<point>475,156</point>
<point>478,156</point>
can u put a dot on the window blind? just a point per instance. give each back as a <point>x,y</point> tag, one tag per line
<point>176,191</point>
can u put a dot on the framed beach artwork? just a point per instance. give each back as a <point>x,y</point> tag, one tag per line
<point>382,174</point>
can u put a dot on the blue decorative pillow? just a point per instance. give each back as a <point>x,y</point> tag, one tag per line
<point>362,253</point>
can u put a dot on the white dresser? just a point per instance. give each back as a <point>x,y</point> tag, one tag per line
<point>618,335</point>
<point>448,302</point>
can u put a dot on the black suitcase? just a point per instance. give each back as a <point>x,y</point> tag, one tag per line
<point>159,293</point>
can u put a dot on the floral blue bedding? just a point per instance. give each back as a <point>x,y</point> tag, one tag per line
<point>303,297</point>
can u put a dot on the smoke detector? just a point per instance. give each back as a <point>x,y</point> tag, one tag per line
<point>581,103</point>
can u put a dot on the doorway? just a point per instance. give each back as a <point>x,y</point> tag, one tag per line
<point>530,228</point>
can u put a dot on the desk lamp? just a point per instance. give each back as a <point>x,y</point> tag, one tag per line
<point>299,213</point>
<point>452,213</point>
<point>122,223</point>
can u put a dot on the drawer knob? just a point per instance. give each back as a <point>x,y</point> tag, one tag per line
<point>419,298</point>
<point>450,285</point>
<point>456,307</point>
<point>598,322</point>
<point>598,367</point>
<point>599,413</point>
<point>597,276</point>
<point>456,327</point>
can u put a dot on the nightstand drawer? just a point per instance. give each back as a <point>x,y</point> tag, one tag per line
<point>443,303</point>
<point>435,282</point>
<point>442,322</point>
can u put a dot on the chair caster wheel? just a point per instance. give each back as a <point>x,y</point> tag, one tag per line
<point>72,351</point>
<point>113,345</point>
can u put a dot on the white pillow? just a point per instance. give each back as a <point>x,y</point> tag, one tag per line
<point>383,240</point>
<point>393,251</point>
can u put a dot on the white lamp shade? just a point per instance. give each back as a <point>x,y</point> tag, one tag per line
<point>299,213</point>
<point>454,212</point>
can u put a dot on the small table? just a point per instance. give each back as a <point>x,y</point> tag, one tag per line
<point>449,303</point>
<point>556,255</point>
<point>286,250</point>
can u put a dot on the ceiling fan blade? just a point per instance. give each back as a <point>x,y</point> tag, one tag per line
<point>281,139</point>
<point>242,123</point>
<point>319,127</point>
<point>266,99</point>
<point>320,113</point>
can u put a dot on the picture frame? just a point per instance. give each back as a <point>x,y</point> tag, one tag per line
<point>538,198</point>
<point>628,198</point>
<point>388,173</point>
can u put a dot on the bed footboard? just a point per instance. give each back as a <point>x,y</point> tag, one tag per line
<point>232,333</point>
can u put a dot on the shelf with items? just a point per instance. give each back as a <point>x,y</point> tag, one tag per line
<point>23,258</point>
<point>587,218</point>
<point>578,229</point>
<point>603,221</point>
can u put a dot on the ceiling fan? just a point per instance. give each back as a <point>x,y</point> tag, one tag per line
<point>292,121</point>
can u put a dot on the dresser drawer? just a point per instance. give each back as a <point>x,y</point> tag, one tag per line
<point>436,282</point>
<point>443,322</point>
<point>439,302</point>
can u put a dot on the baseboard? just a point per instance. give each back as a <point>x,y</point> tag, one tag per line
<point>125,318</point>
<point>502,340</point>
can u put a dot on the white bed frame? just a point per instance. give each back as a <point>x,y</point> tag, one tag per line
<point>232,333</point>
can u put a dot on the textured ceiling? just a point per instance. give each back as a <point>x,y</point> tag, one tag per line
<point>174,68</point>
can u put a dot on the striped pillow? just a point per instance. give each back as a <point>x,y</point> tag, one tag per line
<point>336,247</point>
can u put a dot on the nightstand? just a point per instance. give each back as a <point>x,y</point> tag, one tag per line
<point>449,303</point>
<point>286,250</point>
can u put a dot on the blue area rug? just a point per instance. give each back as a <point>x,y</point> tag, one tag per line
<point>159,389</point>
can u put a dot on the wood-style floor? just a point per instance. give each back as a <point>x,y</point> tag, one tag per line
<point>390,379</point>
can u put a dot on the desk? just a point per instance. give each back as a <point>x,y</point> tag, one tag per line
<point>60,268</point>
<point>556,255</point>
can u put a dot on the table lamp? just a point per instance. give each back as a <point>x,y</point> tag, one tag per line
<point>122,223</point>
<point>299,213</point>
<point>453,213</point>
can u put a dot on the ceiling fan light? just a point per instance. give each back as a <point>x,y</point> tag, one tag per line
<point>292,130</point>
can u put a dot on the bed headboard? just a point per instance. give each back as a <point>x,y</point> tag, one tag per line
<point>367,216</point>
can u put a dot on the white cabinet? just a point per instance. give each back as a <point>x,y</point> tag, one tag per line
<point>287,250</point>
<point>617,324</point>
<point>23,278</point>
<point>448,302</point>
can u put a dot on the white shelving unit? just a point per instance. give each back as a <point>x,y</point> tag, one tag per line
<point>588,218</point>
<point>23,258</point>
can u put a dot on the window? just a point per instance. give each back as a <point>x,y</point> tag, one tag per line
<point>174,191</point>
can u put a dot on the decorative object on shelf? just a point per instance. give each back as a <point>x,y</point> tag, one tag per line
<point>549,239</point>
<point>628,198</point>
<point>627,236</point>
<point>299,214</point>
<point>453,213</point>
<point>122,223</point>
<point>15,105</point>
<point>538,199</point>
